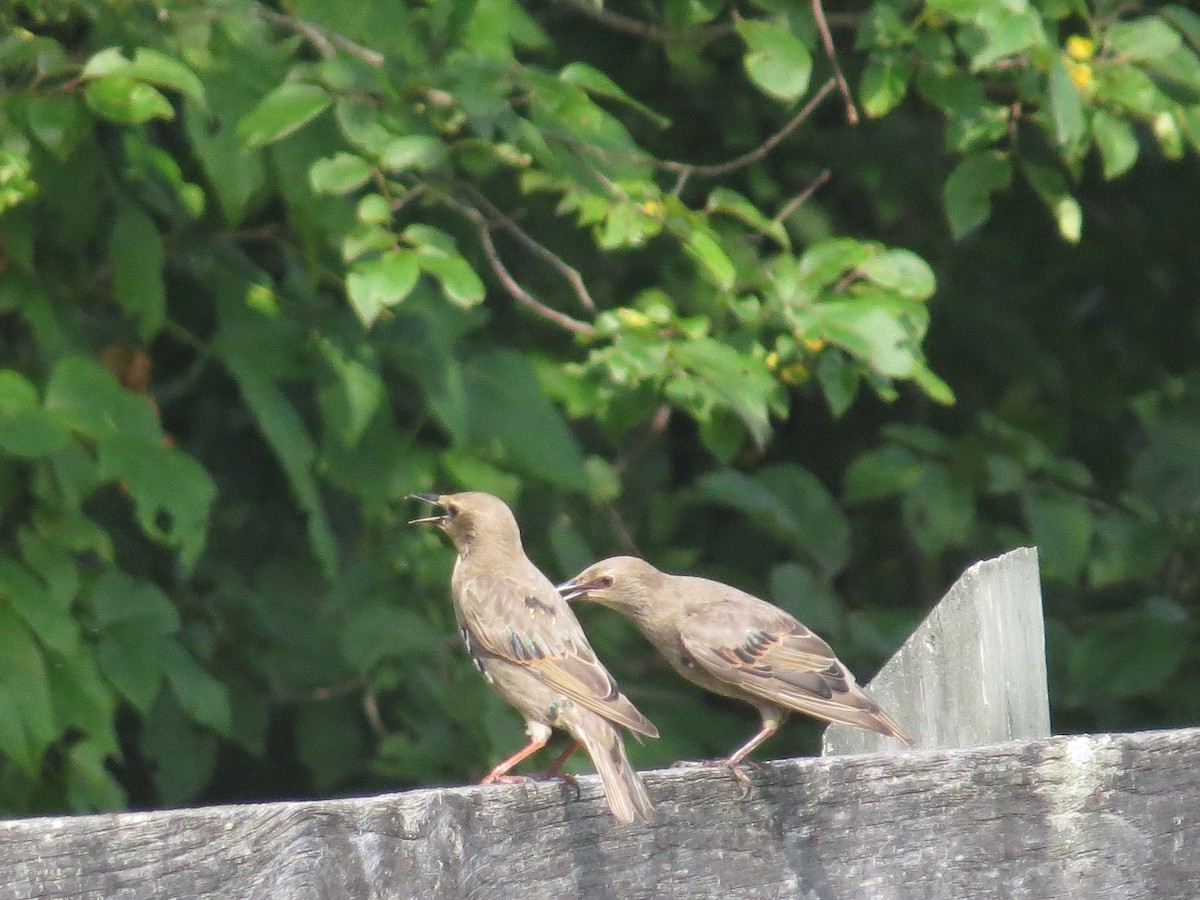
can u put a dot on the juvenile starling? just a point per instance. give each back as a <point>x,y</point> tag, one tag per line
<point>733,644</point>
<point>527,643</point>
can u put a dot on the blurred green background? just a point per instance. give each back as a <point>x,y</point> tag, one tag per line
<point>265,269</point>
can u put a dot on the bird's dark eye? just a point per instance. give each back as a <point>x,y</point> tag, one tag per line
<point>606,581</point>
<point>451,510</point>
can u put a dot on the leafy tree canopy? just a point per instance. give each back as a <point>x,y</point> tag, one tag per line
<point>823,302</point>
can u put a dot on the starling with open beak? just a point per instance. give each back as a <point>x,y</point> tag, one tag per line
<point>733,644</point>
<point>527,643</point>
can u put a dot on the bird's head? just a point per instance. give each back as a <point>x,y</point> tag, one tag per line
<point>623,583</point>
<point>472,519</point>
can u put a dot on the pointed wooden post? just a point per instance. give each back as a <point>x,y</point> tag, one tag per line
<point>974,672</point>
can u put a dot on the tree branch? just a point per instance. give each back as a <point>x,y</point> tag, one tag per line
<point>321,38</point>
<point>827,41</point>
<point>568,271</point>
<point>801,198</point>
<point>686,170</point>
<point>648,31</point>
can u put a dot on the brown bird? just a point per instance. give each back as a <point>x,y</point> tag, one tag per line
<point>733,644</point>
<point>527,643</point>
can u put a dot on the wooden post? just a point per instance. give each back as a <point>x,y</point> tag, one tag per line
<point>974,672</point>
<point>1112,816</point>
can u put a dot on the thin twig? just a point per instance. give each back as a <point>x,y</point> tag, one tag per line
<point>568,271</point>
<point>801,198</point>
<point>621,530</point>
<point>827,40</point>
<point>519,293</point>
<point>712,171</point>
<point>648,31</point>
<point>321,38</point>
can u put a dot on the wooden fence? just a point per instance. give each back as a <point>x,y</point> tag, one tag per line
<point>1103,816</point>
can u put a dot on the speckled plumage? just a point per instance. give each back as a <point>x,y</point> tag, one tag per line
<point>530,648</point>
<point>733,644</point>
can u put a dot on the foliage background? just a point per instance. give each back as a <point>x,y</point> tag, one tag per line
<point>269,268</point>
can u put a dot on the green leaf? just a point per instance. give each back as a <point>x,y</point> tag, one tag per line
<point>703,247</point>
<point>26,428</point>
<point>26,715</point>
<point>1117,142</point>
<point>182,756</point>
<point>776,60</point>
<point>88,398</point>
<point>376,284</point>
<point>1061,526</point>
<point>839,380</point>
<point>1154,640</point>
<point>339,174</point>
<point>884,84</point>
<point>284,430</point>
<point>1148,39</point>
<point>731,380</point>
<point>1052,189</point>
<point>58,121</point>
<point>360,391</point>
<point>147,65</point>
<point>42,611</point>
<point>200,695</point>
<point>459,282</point>
<point>968,190</point>
<point>870,330</point>
<point>730,202</point>
<point>122,98</point>
<point>791,503</point>
<point>91,787</point>
<point>172,492</point>
<point>82,700</point>
<point>413,151</point>
<point>938,511</point>
<point>902,271</point>
<point>882,473</point>
<point>282,112</point>
<point>509,416</point>
<point>592,79</point>
<point>1066,108</point>
<point>136,253</point>
<point>382,632</point>
<point>1007,30</point>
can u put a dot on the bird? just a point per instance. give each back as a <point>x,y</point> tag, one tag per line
<point>524,639</point>
<point>733,644</point>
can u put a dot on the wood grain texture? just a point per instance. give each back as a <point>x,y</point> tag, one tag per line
<point>1113,816</point>
<point>974,672</point>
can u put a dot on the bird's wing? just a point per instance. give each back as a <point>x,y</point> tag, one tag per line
<point>530,625</point>
<point>766,653</point>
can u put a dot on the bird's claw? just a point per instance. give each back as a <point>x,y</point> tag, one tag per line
<point>534,779</point>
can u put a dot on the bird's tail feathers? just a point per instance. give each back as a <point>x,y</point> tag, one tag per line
<point>623,787</point>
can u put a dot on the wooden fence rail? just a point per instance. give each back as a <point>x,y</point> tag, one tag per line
<point>1095,816</point>
<point>1106,816</point>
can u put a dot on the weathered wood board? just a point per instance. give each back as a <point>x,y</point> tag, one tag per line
<point>974,672</point>
<point>1105,816</point>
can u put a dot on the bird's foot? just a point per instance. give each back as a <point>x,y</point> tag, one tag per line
<point>534,779</point>
<point>564,777</point>
<point>508,779</point>
<point>740,776</point>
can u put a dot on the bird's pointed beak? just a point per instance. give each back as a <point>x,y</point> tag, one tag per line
<point>572,590</point>
<point>427,520</point>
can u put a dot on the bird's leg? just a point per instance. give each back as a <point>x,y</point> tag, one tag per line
<point>555,770</point>
<point>500,774</point>
<point>769,726</point>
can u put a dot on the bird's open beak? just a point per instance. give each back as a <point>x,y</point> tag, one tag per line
<point>427,520</point>
<point>572,591</point>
